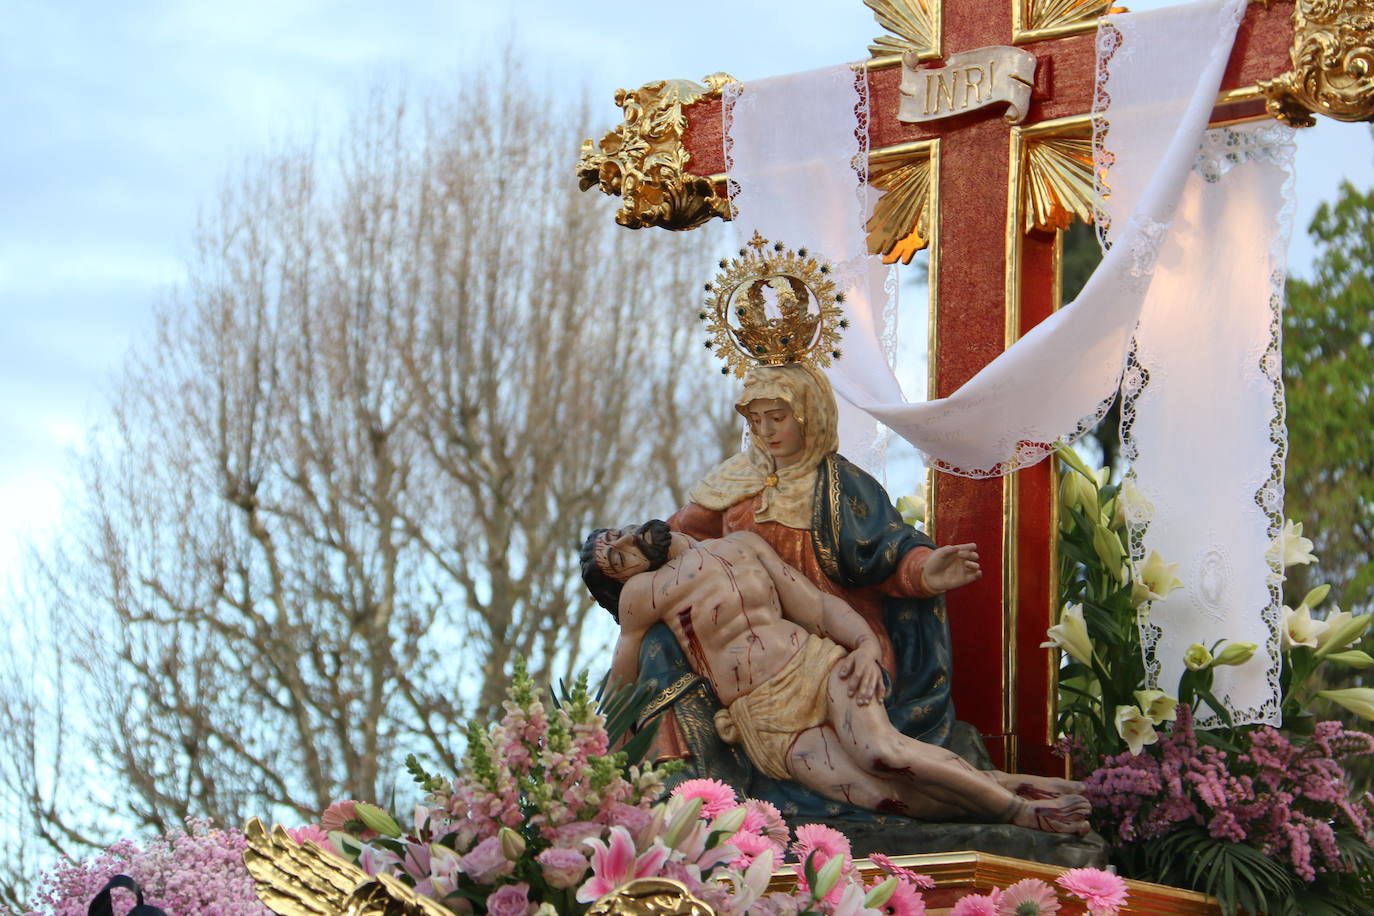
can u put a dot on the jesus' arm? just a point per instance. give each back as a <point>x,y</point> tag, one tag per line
<point>635,620</point>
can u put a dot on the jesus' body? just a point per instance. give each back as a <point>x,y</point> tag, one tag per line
<point>799,674</point>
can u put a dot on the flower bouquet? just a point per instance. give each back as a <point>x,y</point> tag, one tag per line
<point>1262,818</point>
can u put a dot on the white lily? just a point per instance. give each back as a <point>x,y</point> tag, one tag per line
<point>1157,579</point>
<point>1294,548</point>
<point>1135,728</point>
<point>1071,635</point>
<point>1158,705</point>
<point>1299,629</point>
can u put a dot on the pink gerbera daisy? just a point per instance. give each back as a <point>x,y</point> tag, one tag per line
<point>888,867</point>
<point>826,841</point>
<point>310,832</point>
<point>1028,897</point>
<point>906,900</point>
<point>975,905</point>
<point>343,815</point>
<point>1103,892</point>
<point>716,797</point>
<point>763,818</point>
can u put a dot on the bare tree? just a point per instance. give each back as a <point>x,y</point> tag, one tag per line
<point>344,485</point>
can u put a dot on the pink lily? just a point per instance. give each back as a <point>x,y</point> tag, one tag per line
<point>616,864</point>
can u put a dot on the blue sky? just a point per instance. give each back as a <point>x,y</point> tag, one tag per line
<point>123,118</point>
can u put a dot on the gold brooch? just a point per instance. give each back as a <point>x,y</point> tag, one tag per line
<point>801,323</point>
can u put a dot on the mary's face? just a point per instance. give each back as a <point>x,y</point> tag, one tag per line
<point>772,421</point>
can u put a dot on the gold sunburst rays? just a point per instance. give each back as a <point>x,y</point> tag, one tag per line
<point>900,224</point>
<point>914,24</point>
<point>1058,185</point>
<point>1034,20</point>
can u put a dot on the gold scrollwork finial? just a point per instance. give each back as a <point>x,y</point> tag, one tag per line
<point>1333,64</point>
<point>644,160</point>
<point>737,311</point>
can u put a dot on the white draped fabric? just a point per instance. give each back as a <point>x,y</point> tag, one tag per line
<point>1184,304</point>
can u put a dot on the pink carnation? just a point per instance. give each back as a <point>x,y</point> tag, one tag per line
<point>562,867</point>
<point>510,900</point>
<point>1028,897</point>
<point>1103,892</point>
<point>716,797</point>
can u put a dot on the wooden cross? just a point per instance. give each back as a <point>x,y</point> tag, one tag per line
<point>989,201</point>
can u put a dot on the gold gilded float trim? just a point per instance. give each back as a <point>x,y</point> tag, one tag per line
<point>301,879</point>
<point>915,26</point>
<point>650,897</point>
<point>1333,65</point>
<point>644,162</point>
<point>1037,20</point>
<point>900,224</point>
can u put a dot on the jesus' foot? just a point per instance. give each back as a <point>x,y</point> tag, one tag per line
<point>1064,814</point>
<point>1037,787</point>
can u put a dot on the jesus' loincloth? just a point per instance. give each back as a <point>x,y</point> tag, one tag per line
<point>767,719</point>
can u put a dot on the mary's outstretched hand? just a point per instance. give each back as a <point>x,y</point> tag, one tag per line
<point>951,566</point>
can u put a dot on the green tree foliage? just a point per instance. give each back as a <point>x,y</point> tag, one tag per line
<point>1328,333</point>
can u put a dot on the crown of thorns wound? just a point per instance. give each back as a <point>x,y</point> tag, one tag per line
<point>802,326</point>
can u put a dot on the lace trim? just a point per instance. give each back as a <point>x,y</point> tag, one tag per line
<point>729,96</point>
<point>1224,148</point>
<point>1109,43</point>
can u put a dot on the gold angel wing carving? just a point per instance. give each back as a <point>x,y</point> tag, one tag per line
<point>294,879</point>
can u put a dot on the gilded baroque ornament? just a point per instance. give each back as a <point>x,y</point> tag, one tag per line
<point>300,879</point>
<point>900,224</point>
<point>1058,185</point>
<point>737,313</point>
<point>1333,64</point>
<point>1033,20</point>
<point>650,897</point>
<point>914,24</point>
<point>644,160</point>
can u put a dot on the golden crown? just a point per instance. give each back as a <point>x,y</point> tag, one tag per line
<point>737,310</point>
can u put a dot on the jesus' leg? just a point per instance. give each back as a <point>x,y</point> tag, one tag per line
<point>1028,786</point>
<point>934,781</point>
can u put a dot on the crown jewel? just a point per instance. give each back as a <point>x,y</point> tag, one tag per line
<point>772,306</point>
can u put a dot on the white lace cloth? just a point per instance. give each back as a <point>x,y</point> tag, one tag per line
<point>1195,259</point>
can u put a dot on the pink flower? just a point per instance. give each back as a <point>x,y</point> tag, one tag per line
<point>630,817</point>
<point>562,867</point>
<point>1028,897</point>
<point>343,815</point>
<point>573,834</point>
<point>975,905</point>
<point>750,846</point>
<point>1103,892</point>
<point>313,833</point>
<point>486,862</point>
<point>764,818</point>
<point>510,900</point>
<point>615,864</point>
<point>826,841</point>
<point>888,867</point>
<point>906,900</point>
<point>716,797</point>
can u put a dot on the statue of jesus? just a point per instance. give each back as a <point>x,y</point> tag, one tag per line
<point>799,674</point>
